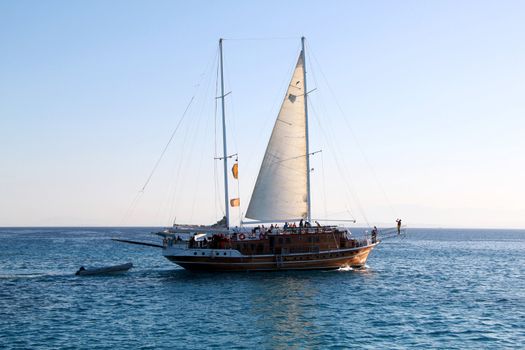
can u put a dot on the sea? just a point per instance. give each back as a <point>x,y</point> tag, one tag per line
<point>430,288</point>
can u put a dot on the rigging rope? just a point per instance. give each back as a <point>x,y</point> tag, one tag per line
<point>324,186</point>
<point>167,144</point>
<point>376,178</point>
<point>139,194</point>
<point>269,113</point>
<point>217,202</point>
<point>202,94</point>
<point>131,207</point>
<point>186,110</point>
<point>263,38</point>
<point>391,232</point>
<point>339,167</point>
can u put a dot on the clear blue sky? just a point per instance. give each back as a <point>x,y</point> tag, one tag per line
<point>433,92</point>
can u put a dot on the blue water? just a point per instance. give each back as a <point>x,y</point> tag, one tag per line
<point>452,289</point>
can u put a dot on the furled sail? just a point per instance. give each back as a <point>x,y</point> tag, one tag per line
<point>280,192</point>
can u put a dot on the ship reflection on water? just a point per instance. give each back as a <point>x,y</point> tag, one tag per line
<point>277,307</point>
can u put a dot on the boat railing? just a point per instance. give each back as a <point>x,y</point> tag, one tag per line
<point>277,231</point>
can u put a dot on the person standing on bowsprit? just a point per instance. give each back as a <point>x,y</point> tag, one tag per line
<point>374,235</point>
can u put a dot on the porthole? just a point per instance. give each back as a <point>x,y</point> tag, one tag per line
<point>194,253</point>
<point>216,253</point>
<point>224,253</point>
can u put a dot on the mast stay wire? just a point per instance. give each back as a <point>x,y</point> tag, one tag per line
<point>205,130</point>
<point>167,206</point>
<point>271,112</point>
<point>350,193</point>
<point>204,77</point>
<point>193,134</point>
<point>131,207</point>
<point>178,174</point>
<point>199,172</point>
<point>232,121</point>
<point>167,145</point>
<point>258,141</point>
<point>333,145</point>
<point>217,201</point>
<point>140,193</point>
<point>324,187</point>
<point>354,136</point>
<point>341,165</point>
<point>263,38</point>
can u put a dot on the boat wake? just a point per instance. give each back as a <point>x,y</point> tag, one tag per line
<point>357,269</point>
<point>345,269</point>
<point>7,276</point>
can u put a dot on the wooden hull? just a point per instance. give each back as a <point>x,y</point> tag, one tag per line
<point>324,260</point>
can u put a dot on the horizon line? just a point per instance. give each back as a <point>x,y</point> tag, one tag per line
<point>150,226</point>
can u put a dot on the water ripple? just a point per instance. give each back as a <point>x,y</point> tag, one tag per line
<point>436,289</point>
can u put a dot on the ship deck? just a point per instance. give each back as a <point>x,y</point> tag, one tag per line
<point>308,249</point>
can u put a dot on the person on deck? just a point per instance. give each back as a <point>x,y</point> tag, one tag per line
<point>374,234</point>
<point>285,225</point>
<point>301,223</point>
<point>398,226</point>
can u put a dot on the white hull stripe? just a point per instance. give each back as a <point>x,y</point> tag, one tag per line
<point>290,254</point>
<point>263,262</point>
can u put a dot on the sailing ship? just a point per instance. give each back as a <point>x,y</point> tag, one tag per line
<point>281,196</point>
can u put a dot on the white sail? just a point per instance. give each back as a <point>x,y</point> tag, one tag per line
<point>280,192</point>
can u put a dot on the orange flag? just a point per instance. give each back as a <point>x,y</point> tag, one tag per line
<point>235,202</point>
<point>235,170</point>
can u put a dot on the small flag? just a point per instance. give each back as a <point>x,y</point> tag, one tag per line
<point>235,170</point>
<point>235,202</point>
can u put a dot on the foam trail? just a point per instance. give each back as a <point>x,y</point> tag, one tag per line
<point>345,268</point>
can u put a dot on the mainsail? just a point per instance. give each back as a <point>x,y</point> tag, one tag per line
<point>281,191</point>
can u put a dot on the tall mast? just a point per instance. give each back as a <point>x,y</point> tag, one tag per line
<point>224,150</point>
<point>309,210</point>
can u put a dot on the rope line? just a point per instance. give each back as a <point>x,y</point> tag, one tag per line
<point>167,144</point>
<point>263,38</point>
<point>324,186</point>
<point>141,192</point>
<point>217,202</point>
<point>339,166</point>
<point>354,136</point>
<point>190,136</point>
